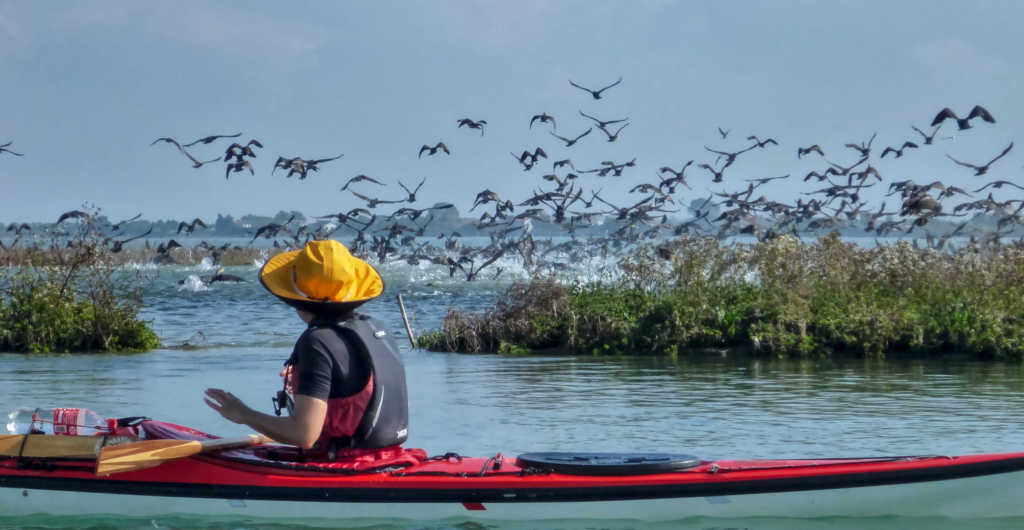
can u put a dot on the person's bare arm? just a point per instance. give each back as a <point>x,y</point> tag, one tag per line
<point>301,428</point>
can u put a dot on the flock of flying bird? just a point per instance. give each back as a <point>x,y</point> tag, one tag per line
<point>562,199</point>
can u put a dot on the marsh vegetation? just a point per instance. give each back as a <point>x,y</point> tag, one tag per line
<point>76,298</point>
<point>781,297</point>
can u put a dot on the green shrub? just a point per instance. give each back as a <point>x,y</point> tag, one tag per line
<point>782,297</point>
<point>75,300</point>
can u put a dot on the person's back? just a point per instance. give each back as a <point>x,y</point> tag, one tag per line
<point>345,373</point>
<point>367,403</point>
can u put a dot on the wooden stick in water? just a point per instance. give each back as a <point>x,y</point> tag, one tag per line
<point>408,330</point>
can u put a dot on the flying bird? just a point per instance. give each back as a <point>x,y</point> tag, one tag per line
<point>360,178</point>
<point>899,152</point>
<point>190,227</point>
<point>117,245</point>
<point>595,93</point>
<point>485,197</point>
<point>239,151</point>
<point>293,165</point>
<point>761,143</point>
<point>560,163</point>
<point>730,158</point>
<point>717,173</point>
<point>73,214</point>
<point>765,180</point>
<point>473,124</point>
<point>161,139</point>
<point>981,170</point>
<point>117,226</point>
<point>569,142</point>
<point>678,177</point>
<point>964,123</point>
<point>999,184</point>
<point>4,149</point>
<point>544,118</point>
<point>269,230</point>
<point>236,167</point>
<point>412,193</point>
<point>532,157</point>
<point>864,148</point>
<point>314,165</point>
<point>612,137</point>
<point>602,123</point>
<point>433,150</point>
<point>163,248</point>
<point>927,139</point>
<point>195,163</point>
<point>18,228</point>
<point>801,151</point>
<point>300,165</point>
<point>212,138</point>
<point>372,202</point>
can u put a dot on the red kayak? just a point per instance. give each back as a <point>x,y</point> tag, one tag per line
<point>276,481</point>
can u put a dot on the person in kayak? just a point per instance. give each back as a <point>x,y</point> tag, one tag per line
<point>345,374</point>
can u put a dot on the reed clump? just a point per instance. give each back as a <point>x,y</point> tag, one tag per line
<point>75,300</point>
<point>189,257</point>
<point>783,298</point>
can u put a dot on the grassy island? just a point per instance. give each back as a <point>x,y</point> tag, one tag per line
<point>72,300</point>
<point>783,298</point>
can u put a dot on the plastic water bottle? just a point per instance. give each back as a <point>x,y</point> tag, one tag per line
<point>69,421</point>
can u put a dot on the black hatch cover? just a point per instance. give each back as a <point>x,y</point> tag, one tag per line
<point>606,463</point>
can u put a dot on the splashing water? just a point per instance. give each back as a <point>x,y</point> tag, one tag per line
<point>193,283</point>
<point>206,264</point>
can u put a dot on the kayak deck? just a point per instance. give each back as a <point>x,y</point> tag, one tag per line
<point>498,489</point>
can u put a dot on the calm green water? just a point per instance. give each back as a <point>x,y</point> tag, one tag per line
<point>480,405</point>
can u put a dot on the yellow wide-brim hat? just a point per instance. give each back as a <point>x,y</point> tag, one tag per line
<point>323,276</point>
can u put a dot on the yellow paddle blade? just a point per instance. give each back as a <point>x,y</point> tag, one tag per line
<point>140,455</point>
<point>50,446</point>
<point>10,444</point>
<point>149,453</point>
<point>60,446</point>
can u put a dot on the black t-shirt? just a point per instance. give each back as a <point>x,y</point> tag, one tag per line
<point>327,370</point>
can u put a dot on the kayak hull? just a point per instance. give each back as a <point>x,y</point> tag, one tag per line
<point>979,497</point>
<point>979,486</point>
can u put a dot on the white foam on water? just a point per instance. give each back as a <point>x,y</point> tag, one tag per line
<point>260,261</point>
<point>206,264</point>
<point>147,266</point>
<point>193,283</point>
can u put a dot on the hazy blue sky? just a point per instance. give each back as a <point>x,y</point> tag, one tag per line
<point>86,87</point>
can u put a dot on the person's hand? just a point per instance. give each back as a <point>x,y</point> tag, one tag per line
<point>226,404</point>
